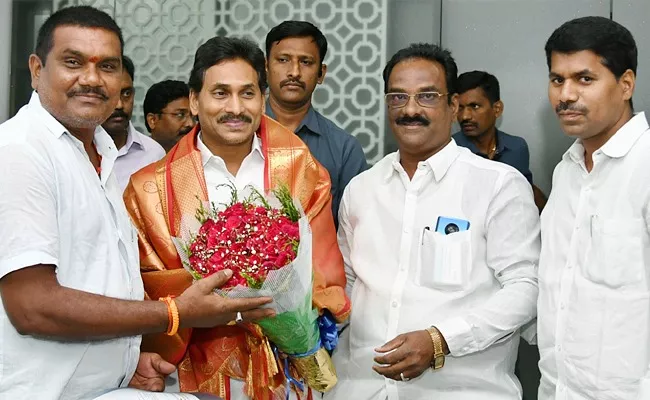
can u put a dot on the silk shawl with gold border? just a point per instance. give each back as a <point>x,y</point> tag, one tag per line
<point>160,193</point>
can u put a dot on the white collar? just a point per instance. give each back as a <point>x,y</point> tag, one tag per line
<point>618,145</point>
<point>206,154</point>
<point>439,162</point>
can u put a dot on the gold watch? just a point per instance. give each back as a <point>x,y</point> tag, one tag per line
<point>438,354</point>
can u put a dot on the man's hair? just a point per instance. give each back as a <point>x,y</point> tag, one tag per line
<point>220,49</point>
<point>81,16</point>
<point>160,94</point>
<point>127,64</point>
<point>608,39</point>
<point>480,79</point>
<point>426,51</point>
<point>300,29</point>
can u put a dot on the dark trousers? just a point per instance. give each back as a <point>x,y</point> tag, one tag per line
<point>527,370</point>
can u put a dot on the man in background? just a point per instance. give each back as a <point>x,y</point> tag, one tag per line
<point>134,149</point>
<point>479,107</point>
<point>295,51</point>
<point>167,112</point>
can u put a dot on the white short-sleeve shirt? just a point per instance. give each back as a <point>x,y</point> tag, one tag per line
<point>55,209</point>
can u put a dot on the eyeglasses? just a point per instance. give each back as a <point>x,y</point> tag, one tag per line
<point>424,99</point>
<point>179,115</point>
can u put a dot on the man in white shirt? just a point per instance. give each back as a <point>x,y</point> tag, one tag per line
<point>70,288</point>
<point>134,149</point>
<point>594,298</point>
<point>440,249</point>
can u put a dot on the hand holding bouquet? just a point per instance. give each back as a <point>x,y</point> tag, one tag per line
<point>266,242</point>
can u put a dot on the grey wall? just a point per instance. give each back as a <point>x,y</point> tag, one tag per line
<point>635,16</point>
<point>5,58</point>
<point>506,38</point>
<point>410,21</point>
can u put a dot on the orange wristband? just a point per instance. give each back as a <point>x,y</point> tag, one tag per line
<point>172,315</point>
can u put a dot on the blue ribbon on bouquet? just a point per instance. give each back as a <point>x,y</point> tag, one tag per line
<point>287,374</point>
<point>329,335</point>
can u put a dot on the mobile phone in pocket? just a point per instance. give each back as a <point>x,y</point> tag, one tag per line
<point>447,225</point>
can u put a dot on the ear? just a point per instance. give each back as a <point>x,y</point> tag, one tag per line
<point>453,104</point>
<point>321,75</point>
<point>194,102</point>
<point>266,66</point>
<point>35,67</point>
<point>628,83</point>
<point>498,108</point>
<point>151,120</point>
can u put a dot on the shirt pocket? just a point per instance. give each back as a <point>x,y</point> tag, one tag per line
<point>444,261</point>
<point>617,249</point>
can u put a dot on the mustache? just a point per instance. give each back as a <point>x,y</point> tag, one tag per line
<point>293,81</point>
<point>118,114</point>
<point>88,90</point>
<point>566,106</point>
<point>410,120</point>
<point>184,131</point>
<point>233,117</point>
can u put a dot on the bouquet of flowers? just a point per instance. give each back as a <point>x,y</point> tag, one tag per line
<point>266,242</point>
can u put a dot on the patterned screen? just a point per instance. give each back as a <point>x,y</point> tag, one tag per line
<point>162,35</point>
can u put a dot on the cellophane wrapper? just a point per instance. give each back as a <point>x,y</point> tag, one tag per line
<point>294,329</point>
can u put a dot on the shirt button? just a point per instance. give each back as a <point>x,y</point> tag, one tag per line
<point>561,306</point>
<point>570,266</point>
<point>394,304</point>
<point>558,348</point>
<point>407,230</point>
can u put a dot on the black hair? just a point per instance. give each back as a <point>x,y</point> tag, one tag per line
<point>82,16</point>
<point>127,64</point>
<point>606,38</point>
<point>299,29</point>
<point>162,93</point>
<point>219,49</point>
<point>429,52</point>
<point>480,79</point>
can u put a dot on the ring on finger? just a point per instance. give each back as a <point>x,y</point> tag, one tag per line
<point>404,379</point>
<point>239,317</point>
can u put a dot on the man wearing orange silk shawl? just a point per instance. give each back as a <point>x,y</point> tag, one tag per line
<point>234,142</point>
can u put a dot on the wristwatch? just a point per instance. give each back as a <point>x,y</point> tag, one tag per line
<point>438,353</point>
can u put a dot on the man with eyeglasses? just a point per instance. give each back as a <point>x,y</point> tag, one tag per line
<point>440,258</point>
<point>135,150</point>
<point>167,113</point>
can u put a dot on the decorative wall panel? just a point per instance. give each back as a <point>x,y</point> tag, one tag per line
<point>161,37</point>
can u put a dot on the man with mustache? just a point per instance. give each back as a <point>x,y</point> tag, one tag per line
<point>440,248</point>
<point>295,51</point>
<point>594,295</point>
<point>233,143</point>
<point>134,150</point>
<point>73,304</point>
<point>479,107</point>
<point>167,113</point>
